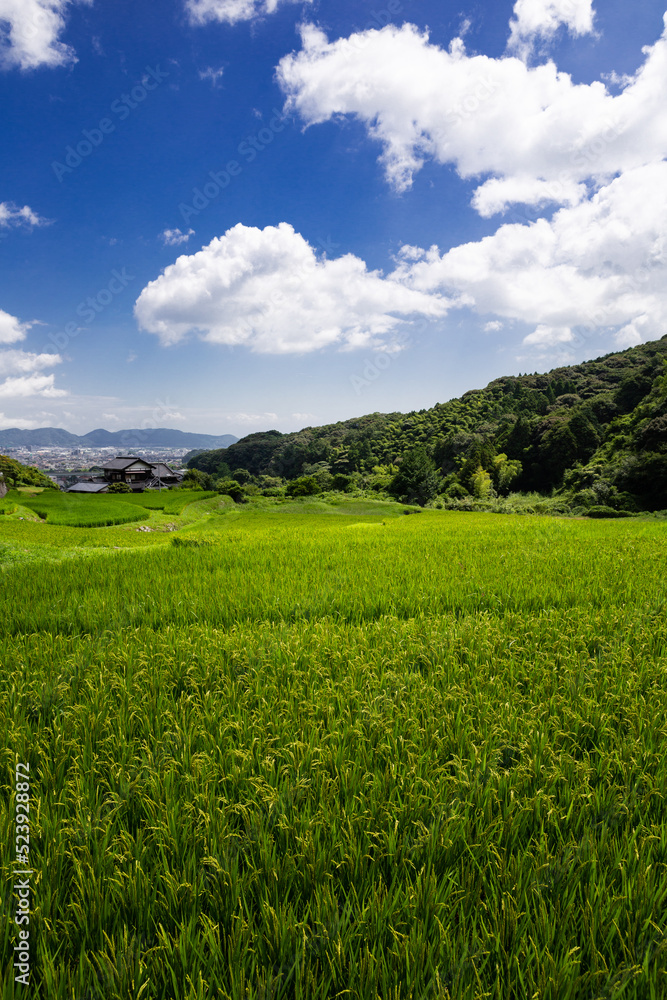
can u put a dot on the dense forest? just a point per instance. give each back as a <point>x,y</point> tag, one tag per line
<point>595,432</point>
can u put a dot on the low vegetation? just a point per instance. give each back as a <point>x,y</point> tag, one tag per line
<point>310,749</point>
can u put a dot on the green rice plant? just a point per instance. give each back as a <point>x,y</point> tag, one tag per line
<point>82,510</point>
<point>329,755</point>
<point>171,502</point>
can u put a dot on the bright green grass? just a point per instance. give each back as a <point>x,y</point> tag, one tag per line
<point>322,756</point>
<point>172,502</point>
<point>84,511</point>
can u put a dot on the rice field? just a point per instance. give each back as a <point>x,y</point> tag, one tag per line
<point>316,751</point>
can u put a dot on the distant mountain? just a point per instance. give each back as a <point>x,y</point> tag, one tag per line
<point>129,440</point>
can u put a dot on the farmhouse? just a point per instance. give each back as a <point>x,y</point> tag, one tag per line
<point>127,469</point>
<point>139,474</point>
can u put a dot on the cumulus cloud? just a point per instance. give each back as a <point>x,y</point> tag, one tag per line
<point>231,11</point>
<point>541,19</point>
<point>267,289</point>
<point>173,237</point>
<point>537,136</point>
<point>30,385</point>
<point>12,215</point>
<point>22,362</point>
<point>527,135</point>
<point>21,366</point>
<point>30,34</point>
<point>12,329</point>
<point>601,265</point>
<point>549,336</point>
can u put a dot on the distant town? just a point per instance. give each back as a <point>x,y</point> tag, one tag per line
<point>66,466</point>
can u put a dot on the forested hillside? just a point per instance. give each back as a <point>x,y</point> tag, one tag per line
<point>600,425</point>
<point>14,474</point>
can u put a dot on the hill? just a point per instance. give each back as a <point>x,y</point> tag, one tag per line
<point>13,474</point>
<point>600,425</point>
<point>159,437</point>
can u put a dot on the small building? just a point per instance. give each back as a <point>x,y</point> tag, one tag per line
<point>88,488</point>
<point>127,469</point>
<point>140,474</point>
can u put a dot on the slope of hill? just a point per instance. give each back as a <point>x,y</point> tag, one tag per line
<point>601,424</point>
<point>158,437</point>
<point>13,473</point>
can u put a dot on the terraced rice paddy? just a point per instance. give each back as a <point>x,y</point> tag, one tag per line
<point>325,752</point>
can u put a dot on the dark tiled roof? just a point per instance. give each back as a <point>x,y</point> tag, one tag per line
<point>88,488</point>
<point>162,469</point>
<point>123,462</point>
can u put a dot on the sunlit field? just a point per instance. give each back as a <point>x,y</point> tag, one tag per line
<point>304,750</point>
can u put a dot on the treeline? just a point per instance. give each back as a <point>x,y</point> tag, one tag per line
<point>595,433</point>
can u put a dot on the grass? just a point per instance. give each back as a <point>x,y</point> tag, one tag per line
<point>303,753</point>
<point>81,511</point>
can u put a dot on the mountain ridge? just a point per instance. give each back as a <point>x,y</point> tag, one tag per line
<point>157,437</point>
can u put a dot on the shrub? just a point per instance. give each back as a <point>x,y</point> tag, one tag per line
<point>600,510</point>
<point>304,486</point>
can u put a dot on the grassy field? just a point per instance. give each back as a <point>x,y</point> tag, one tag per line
<point>302,750</point>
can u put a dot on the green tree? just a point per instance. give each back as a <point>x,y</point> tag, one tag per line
<point>505,471</point>
<point>304,486</point>
<point>120,488</point>
<point>482,484</point>
<point>416,480</point>
<point>195,479</point>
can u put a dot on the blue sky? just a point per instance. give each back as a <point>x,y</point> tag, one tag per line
<point>232,215</point>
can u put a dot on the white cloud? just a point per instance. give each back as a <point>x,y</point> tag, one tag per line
<point>173,237</point>
<point>12,329</point>
<point>497,194</point>
<point>19,422</point>
<point>20,365</point>
<point>250,418</point>
<point>493,326</point>
<point>549,336</point>
<point>231,11</point>
<point>212,74</point>
<point>12,215</point>
<point>541,19</point>
<point>23,362</point>
<point>526,135</point>
<point>30,385</point>
<point>110,418</point>
<point>267,289</point>
<point>30,34</point>
<point>536,135</point>
<point>600,265</point>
